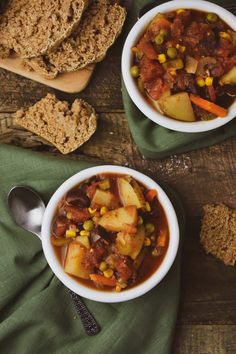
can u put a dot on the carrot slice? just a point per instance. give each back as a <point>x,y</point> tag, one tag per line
<point>209,106</point>
<point>100,279</point>
<point>151,194</point>
<point>161,240</point>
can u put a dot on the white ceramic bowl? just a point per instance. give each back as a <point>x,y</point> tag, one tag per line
<point>131,86</point>
<point>104,296</point>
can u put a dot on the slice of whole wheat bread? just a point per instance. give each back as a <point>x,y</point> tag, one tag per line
<point>63,125</point>
<point>218,232</point>
<point>34,27</point>
<point>100,25</point>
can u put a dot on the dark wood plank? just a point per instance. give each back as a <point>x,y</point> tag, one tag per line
<point>208,286</point>
<point>205,340</point>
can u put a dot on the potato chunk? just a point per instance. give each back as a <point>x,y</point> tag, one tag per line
<point>178,107</point>
<point>121,219</point>
<point>130,244</point>
<point>229,77</point>
<point>74,263</point>
<point>103,198</point>
<point>130,195</point>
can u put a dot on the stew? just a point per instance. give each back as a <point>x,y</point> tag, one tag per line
<point>185,65</point>
<point>110,232</point>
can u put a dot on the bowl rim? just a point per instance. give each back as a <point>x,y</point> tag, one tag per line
<point>106,296</point>
<point>134,93</point>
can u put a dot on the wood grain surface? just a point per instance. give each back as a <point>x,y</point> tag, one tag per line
<point>207,314</point>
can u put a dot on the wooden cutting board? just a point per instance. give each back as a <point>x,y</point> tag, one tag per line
<point>72,82</point>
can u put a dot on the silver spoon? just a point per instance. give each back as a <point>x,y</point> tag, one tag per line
<point>27,209</point>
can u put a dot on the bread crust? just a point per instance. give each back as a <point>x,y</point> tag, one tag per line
<point>33,28</point>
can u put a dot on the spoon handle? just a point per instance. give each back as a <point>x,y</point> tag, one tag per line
<point>90,324</point>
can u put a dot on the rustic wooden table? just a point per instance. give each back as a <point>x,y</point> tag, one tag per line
<point>207,314</point>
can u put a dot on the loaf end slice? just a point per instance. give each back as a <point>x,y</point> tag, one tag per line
<point>100,25</point>
<point>66,127</point>
<point>218,232</point>
<point>35,27</point>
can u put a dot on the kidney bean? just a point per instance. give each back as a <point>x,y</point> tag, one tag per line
<point>60,226</point>
<point>77,198</point>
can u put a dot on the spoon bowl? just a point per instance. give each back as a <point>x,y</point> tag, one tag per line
<point>27,209</point>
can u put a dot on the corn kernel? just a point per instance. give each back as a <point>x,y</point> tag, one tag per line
<point>150,228</point>
<point>155,252</point>
<point>84,233</point>
<point>200,82</point>
<point>224,35</point>
<point>108,273</point>
<point>182,49</point>
<point>140,220</point>
<point>147,241</point>
<point>179,11</point>
<point>103,210</point>
<point>209,81</point>
<point>103,266</point>
<point>122,283</point>
<point>70,233</point>
<point>148,207</point>
<point>172,72</point>
<point>92,211</point>
<point>88,225</point>
<point>96,219</point>
<point>162,58</point>
<point>69,215</point>
<point>118,288</point>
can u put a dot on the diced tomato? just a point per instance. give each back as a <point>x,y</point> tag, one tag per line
<point>150,69</point>
<point>145,45</point>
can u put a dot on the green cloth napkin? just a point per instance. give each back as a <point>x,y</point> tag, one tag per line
<point>36,313</point>
<point>153,140</point>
